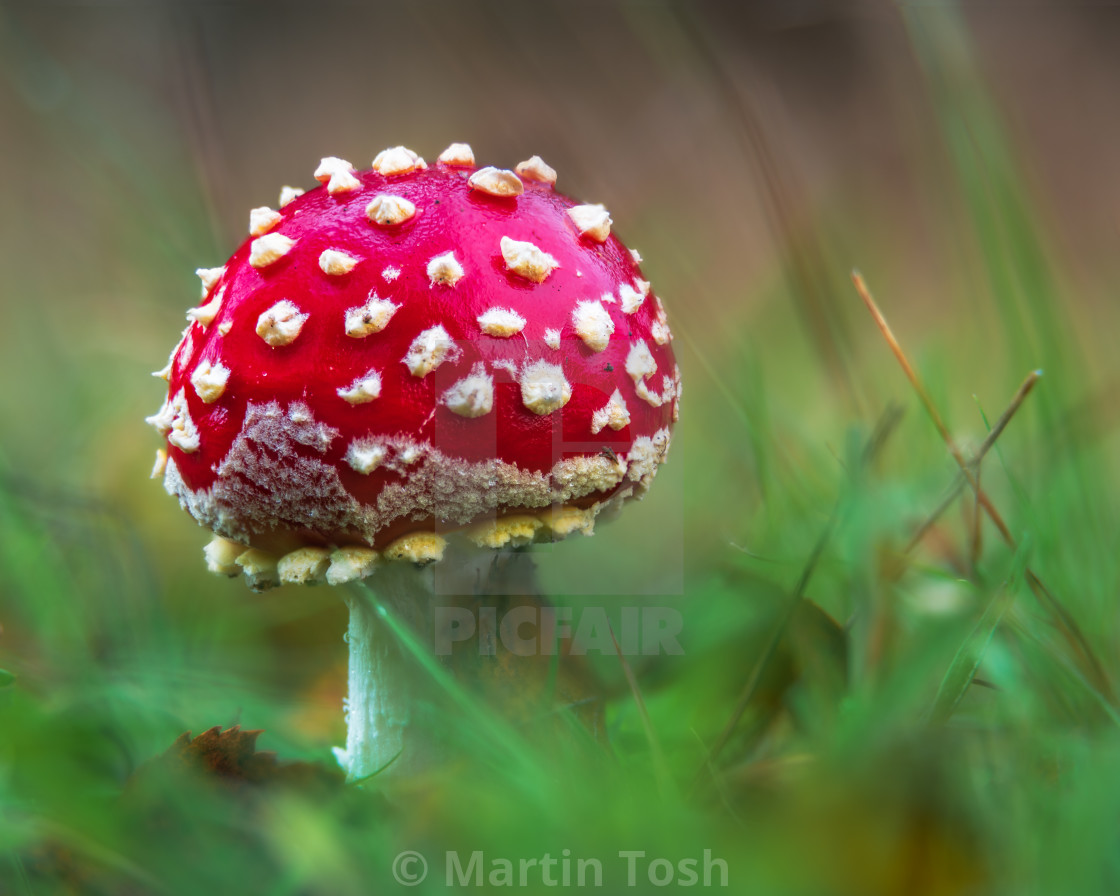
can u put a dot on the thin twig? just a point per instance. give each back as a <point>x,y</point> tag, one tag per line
<point>1066,623</point>
<point>976,531</point>
<point>959,482</point>
<point>931,409</point>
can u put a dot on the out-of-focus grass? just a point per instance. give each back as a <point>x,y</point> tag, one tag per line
<point>863,761</point>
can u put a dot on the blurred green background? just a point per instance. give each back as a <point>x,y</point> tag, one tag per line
<point>911,722</point>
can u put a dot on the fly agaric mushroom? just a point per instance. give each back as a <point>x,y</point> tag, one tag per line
<point>407,357</point>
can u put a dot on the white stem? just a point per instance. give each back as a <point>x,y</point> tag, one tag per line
<point>391,714</point>
<point>377,708</point>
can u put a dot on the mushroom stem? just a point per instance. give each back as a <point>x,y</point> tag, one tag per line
<point>453,613</point>
<point>378,708</point>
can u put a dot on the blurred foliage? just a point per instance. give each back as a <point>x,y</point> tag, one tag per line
<point>850,715</point>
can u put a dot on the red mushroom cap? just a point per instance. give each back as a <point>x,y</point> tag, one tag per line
<point>411,350</point>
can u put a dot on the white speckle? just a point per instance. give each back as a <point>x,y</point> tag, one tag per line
<point>363,389</point>
<point>544,388</point>
<point>287,194</point>
<point>330,166</point>
<point>269,248</point>
<point>614,414</point>
<point>472,396</point>
<point>496,182</point>
<point>584,474</point>
<point>162,418</point>
<point>259,568</point>
<point>165,373</point>
<point>503,322</point>
<point>280,324</point>
<point>552,338</point>
<point>642,286</point>
<point>224,327</point>
<point>209,381</point>
<point>631,298</point>
<point>350,564</point>
<point>535,168</point>
<point>174,421</point>
<point>428,350</point>
<point>659,329</point>
<point>420,548</point>
<point>304,566</point>
<point>457,154</point>
<point>565,521</point>
<point>444,269</point>
<point>515,530</point>
<point>221,556</point>
<point>527,260</point>
<point>343,182</point>
<point>372,317</point>
<point>593,325</point>
<point>397,160</point>
<point>185,348</point>
<point>636,255</point>
<point>644,393</point>
<point>409,455</point>
<point>654,399</point>
<point>307,431</point>
<point>591,220</point>
<point>677,401</point>
<point>205,314</point>
<point>646,455</point>
<point>262,220</point>
<point>365,455</point>
<point>336,263</point>
<point>386,209</point>
<point>391,273</point>
<point>160,466</point>
<point>608,298</point>
<point>639,362</point>
<point>209,276</point>
<point>507,365</point>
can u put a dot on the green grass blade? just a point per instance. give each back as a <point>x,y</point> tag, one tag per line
<point>958,679</point>
<point>499,735</point>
